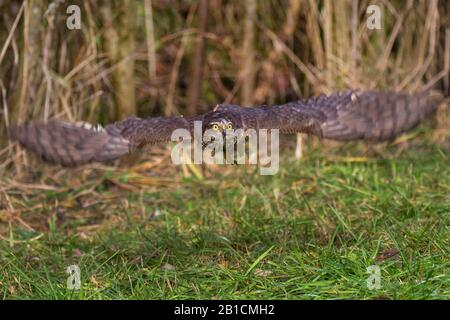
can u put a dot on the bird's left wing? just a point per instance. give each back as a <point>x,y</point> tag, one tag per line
<point>368,115</point>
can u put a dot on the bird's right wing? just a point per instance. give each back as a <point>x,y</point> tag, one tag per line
<point>73,144</point>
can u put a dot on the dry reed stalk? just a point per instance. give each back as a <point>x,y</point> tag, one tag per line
<point>11,32</point>
<point>328,40</point>
<point>343,34</point>
<point>150,37</point>
<point>47,56</point>
<point>266,89</point>
<point>248,68</point>
<point>383,61</point>
<point>119,39</point>
<point>426,43</point>
<point>355,53</point>
<point>170,107</point>
<point>292,14</point>
<point>195,84</point>
<point>313,34</point>
<point>308,72</point>
<point>447,61</point>
<point>5,104</point>
<point>30,73</point>
<point>431,29</point>
<point>94,103</point>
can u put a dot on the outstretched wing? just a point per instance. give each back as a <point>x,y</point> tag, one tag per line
<point>72,144</point>
<point>69,144</point>
<point>369,115</point>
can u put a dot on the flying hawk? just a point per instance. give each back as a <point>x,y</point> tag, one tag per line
<point>349,115</point>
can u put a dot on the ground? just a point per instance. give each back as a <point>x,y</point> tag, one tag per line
<point>309,232</point>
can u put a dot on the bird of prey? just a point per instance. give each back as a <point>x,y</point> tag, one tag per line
<point>349,115</point>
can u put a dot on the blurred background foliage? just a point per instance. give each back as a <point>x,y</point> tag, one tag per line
<point>167,57</point>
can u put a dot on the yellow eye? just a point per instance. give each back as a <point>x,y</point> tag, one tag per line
<point>215,127</point>
<point>229,126</point>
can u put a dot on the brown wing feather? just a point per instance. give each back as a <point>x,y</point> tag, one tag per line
<point>69,144</point>
<point>72,144</point>
<point>374,115</point>
<point>150,130</point>
<point>369,115</point>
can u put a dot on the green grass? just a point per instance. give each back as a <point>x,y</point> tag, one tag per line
<point>309,232</point>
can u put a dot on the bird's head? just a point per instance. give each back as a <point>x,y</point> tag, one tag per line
<point>223,118</point>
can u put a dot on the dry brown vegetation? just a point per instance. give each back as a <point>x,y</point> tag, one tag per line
<point>162,57</point>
